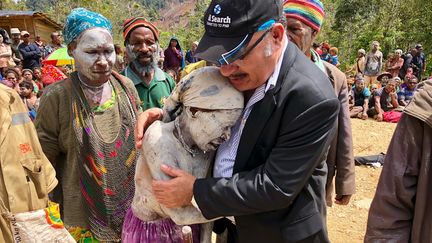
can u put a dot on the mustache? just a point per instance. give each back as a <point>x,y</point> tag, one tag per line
<point>237,75</point>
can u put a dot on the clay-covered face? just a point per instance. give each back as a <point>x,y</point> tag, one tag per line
<point>209,128</point>
<point>94,56</point>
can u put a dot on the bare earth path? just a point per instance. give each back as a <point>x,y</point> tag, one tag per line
<point>348,223</point>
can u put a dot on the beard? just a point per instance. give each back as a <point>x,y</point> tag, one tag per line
<point>144,69</point>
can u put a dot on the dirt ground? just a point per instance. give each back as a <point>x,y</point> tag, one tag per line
<point>348,223</point>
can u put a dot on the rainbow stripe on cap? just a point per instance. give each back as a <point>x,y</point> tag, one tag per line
<point>310,12</point>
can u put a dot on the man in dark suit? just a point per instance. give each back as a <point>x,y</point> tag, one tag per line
<point>271,173</point>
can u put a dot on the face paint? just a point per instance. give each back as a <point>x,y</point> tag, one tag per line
<point>209,129</point>
<point>94,56</point>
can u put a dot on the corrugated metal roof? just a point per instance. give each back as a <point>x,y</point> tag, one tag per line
<point>16,13</point>
<point>40,15</point>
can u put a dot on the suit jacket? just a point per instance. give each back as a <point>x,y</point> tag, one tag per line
<point>277,191</point>
<point>340,159</point>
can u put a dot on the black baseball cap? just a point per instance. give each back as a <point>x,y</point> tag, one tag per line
<point>230,24</point>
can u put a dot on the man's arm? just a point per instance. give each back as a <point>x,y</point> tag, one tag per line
<point>345,170</point>
<point>277,182</point>
<point>401,98</point>
<point>394,100</point>
<point>392,209</point>
<point>378,107</point>
<point>365,108</point>
<point>48,125</point>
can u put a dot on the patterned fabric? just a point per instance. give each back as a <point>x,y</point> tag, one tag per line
<point>51,74</point>
<point>43,225</point>
<point>81,19</point>
<point>107,168</point>
<point>133,23</point>
<point>158,231</point>
<point>310,12</point>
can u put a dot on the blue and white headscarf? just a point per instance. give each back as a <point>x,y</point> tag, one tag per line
<point>81,19</point>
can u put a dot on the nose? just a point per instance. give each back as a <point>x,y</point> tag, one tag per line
<point>102,61</point>
<point>228,69</point>
<point>143,47</point>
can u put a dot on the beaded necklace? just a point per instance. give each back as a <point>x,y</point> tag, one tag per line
<point>106,168</point>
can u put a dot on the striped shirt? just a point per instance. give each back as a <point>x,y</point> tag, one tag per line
<point>226,154</point>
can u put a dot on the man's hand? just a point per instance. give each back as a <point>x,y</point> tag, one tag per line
<point>379,117</point>
<point>342,199</point>
<point>144,121</point>
<point>176,192</point>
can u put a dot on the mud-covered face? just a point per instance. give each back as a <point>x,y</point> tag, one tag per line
<point>208,128</point>
<point>94,56</point>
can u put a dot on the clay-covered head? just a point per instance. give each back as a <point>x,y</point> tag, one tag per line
<point>207,106</point>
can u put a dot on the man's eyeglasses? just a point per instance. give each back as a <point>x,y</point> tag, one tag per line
<point>241,53</point>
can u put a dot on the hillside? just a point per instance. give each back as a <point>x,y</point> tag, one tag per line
<point>175,15</point>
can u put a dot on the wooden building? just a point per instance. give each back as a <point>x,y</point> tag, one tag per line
<point>36,23</point>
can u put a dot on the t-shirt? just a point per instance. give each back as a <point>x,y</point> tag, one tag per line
<point>359,97</point>
<point>385,99</point>
<point>152,95</point>
<point>326,57</point>
<point>334,60</point>
<point>406,95</point>
<point>373,63</point>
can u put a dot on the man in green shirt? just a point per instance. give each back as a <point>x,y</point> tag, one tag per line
<point>141,41</point>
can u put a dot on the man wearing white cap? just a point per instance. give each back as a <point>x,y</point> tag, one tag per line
<point>16,41</point>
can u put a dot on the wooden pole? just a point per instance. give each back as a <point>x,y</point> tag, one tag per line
<point>187,234</point>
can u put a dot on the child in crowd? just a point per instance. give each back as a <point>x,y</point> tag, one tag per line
<point>29,98</point>
<point>37,76</point>
<point>28,76</point>
<point>334,56</point>
<point>325,55</point>
<point>11,79</point>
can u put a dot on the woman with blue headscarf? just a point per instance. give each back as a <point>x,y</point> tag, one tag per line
<point>85,125</point>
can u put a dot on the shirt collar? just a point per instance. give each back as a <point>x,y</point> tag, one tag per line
<point>271,83</point>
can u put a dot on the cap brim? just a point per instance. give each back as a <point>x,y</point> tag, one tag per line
<point>211,48</point>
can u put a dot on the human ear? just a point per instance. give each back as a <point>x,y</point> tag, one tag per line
<point>277,32</point>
